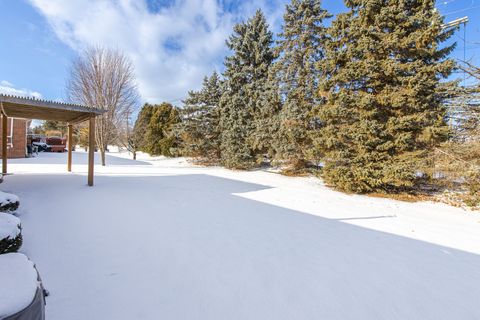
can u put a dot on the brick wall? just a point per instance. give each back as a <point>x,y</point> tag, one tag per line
<point>19,138</point>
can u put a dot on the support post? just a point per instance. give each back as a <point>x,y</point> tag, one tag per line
<point>4,143</point>
<point>91,149</point>
<point>69,147</point>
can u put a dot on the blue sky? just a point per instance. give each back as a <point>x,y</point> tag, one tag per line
<point>173,44</point>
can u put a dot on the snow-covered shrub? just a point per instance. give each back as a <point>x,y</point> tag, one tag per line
<point>10,233</point>
<point>8,202</point>
<point>21,294</point>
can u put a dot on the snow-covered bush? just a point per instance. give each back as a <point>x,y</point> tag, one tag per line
<point>21,295</point>
<point>10,233</point>
<point>8,202</point>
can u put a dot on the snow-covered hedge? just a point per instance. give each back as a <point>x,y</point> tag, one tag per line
<point>19,286</point>
<point>8,202</point>
<point>10,233</point>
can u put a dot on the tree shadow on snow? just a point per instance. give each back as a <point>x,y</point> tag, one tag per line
<point>185,247</point>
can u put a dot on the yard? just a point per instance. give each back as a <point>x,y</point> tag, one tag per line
<point>163,239</point>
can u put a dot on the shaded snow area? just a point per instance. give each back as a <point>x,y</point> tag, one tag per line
<point>9,226</point>
<point>162,239</point>
<point>18,283</point>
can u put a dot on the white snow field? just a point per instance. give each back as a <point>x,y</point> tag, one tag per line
<point>163,239</point>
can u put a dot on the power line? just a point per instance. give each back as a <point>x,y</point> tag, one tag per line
<point>461,10</point>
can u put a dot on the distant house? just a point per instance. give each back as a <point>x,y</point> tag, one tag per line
<point>16,138</point>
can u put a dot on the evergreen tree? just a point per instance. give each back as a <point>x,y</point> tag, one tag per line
<point>246,109</point>
<point>141,126</point>
<point>52,127</point>
<point>159,137</point>
<point>199,129</point>
<point>301,47</point>
<point>382,114</point>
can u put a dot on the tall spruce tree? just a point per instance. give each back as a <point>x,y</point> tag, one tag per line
<point>383,114</point>
<point>199,129</point>
<point>300,47</point>
<point>248,103</point>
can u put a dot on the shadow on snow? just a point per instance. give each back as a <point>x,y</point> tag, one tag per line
<point>184,247</point>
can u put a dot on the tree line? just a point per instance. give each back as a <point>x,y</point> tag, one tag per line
<point>362,93</point>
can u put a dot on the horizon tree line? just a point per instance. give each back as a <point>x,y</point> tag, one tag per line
<point>364,93</point>
<point>363,96</point>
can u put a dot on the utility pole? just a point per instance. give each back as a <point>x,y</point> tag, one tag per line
<point>454,24</point>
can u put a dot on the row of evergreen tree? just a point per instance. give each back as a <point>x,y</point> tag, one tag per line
<point>360,93</point>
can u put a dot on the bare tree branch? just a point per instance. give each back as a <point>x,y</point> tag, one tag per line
<point>104,78</point>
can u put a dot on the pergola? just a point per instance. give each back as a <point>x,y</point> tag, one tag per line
<point>31,108</point>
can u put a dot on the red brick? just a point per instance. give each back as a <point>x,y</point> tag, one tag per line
<point>19,138</point>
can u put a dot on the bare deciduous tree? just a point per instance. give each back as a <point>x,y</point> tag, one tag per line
<point>126,138</point>
<point>104,78</point>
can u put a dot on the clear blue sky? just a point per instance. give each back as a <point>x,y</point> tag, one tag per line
<point>173,44</point>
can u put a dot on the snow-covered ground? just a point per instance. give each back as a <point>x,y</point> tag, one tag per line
<point>162,239</point>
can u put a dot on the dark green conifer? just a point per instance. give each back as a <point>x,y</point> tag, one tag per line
<point>246,103</point>
<point>159,135</point>
<point>300,48</point>
<point>141,125</point>
<point>153,130</point>
<point>199,129</point>
<point>382,115</point>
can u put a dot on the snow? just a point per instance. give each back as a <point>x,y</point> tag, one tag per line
<point>9,226</point>
<point>161,238</point>
<point>18,279</point>
<point>7,198</point>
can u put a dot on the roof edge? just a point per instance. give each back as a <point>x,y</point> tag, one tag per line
<point>49,104</point>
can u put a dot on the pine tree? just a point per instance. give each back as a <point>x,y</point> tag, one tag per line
<point>159,137</point>
<point>382,115</point>
<point>140,127</point>
<point>246,109</point>
<point>199,129</point>
<point>153,130</point>
<point>52,127</point>
<point>301,47</point>
<point>267,104</point>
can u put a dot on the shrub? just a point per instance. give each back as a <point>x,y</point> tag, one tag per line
<point>8,202</point>
<point>11,245</point>
<point>10,233</point>
<point>473,184</point>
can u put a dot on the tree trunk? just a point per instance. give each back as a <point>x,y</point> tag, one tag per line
<point>102,156</point>
<point>134,155</point>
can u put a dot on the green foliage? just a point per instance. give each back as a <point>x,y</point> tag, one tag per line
<point>38,130</point>
<point>365,96</point>
<point>141,126</point>
<point>249,102</point>
<point>300,49</point>
<point>8,245</point>
<point>153,131</point>
<point>9,206</point>
<point>55,126</point>
<point>382,116</point>
<point>199,130</point>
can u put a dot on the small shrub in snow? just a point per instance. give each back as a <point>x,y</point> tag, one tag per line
<point>20,289</point>
<point>10,233</point>
<point>8,202</point>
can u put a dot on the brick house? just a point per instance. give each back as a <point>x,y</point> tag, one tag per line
<point>17,138</point>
